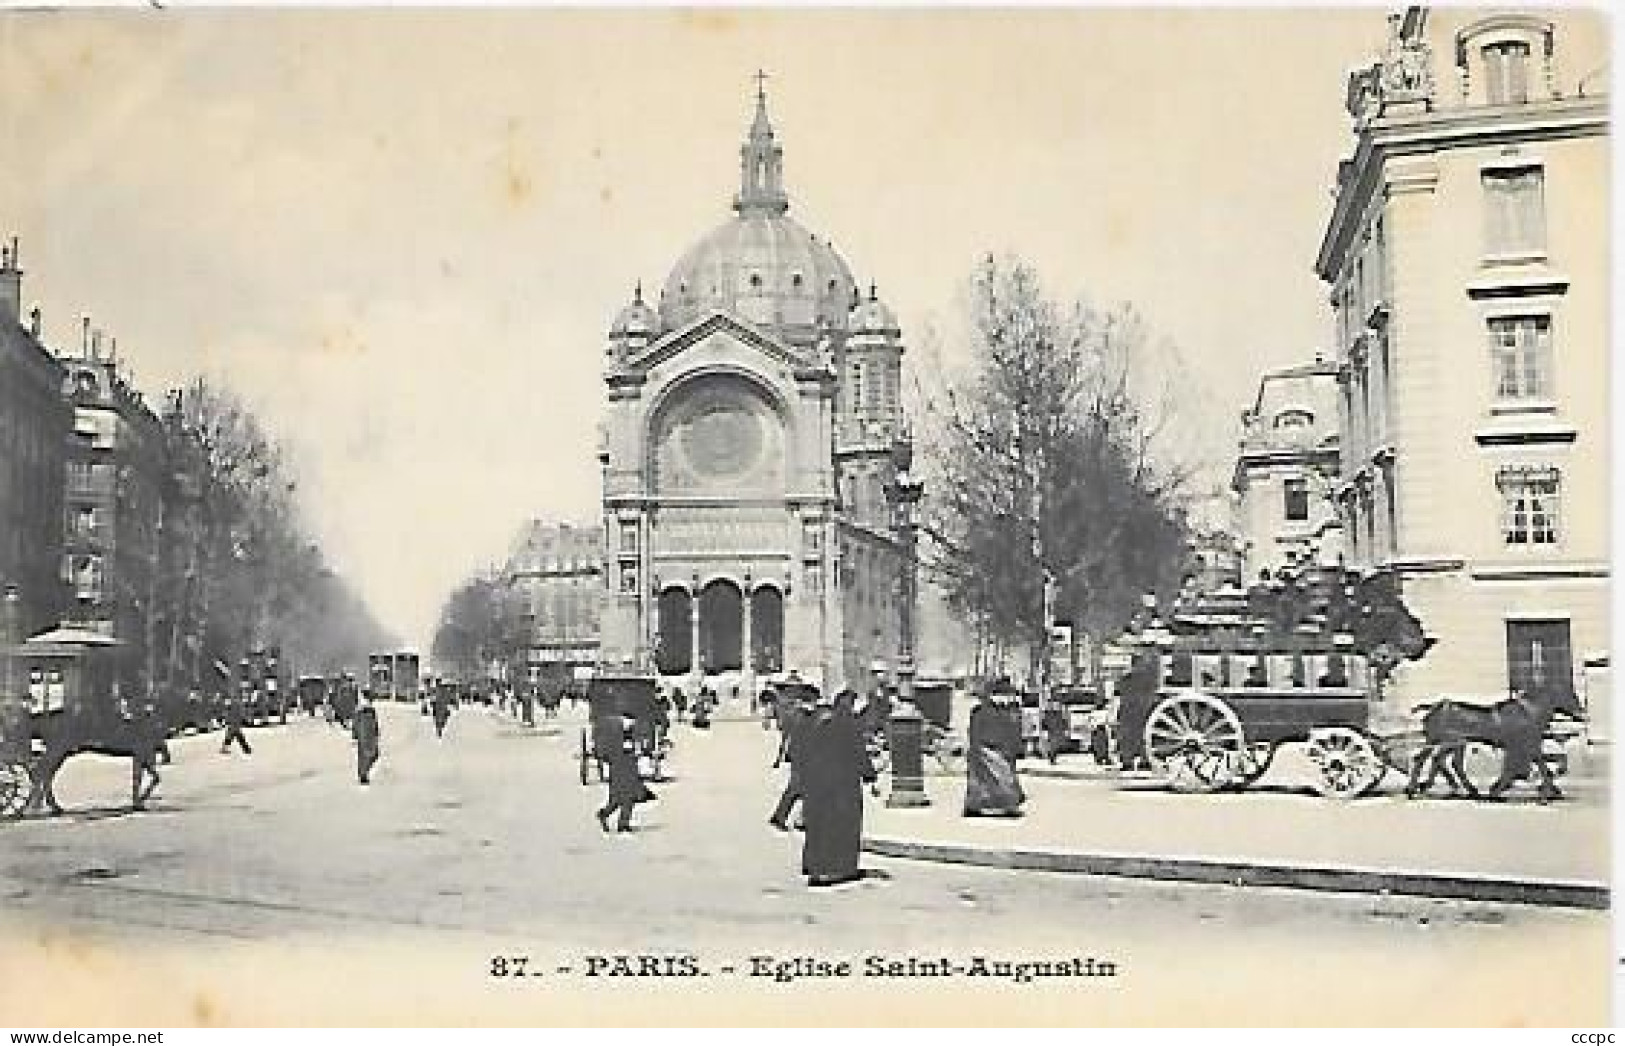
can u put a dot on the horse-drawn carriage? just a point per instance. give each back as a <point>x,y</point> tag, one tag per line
<point>612,698</point>
<point>1233,676</point>
<point>59,697</point>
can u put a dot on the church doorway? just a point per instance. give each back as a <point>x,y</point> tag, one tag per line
<point>767,630</point>
<point>722,627</point>
<point>674,648</point>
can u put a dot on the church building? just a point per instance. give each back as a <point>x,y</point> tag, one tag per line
<point>752,432</point>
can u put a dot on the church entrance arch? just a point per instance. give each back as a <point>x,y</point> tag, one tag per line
<point>722,627</point>
<point>674,648</point>
<point>767,630</point>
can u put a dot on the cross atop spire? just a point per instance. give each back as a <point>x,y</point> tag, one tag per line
<point>761,168</point>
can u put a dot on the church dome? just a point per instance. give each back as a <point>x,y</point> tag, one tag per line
<point>636,318</point>
<point>761,265</point>
<point>871,316</point>
<point>764,268</point>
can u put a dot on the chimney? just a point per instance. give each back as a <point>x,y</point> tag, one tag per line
<point>11,617</point>
<point>11,284</point>
<point>11,634</point>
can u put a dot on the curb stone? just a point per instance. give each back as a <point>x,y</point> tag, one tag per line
<point>1546,893</point>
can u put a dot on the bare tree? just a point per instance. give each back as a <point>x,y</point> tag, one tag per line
<point>481,623</point>
<point>239,565</point>
<point>1056,480</point>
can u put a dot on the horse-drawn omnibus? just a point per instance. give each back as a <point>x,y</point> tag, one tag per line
<point>1216,690</point>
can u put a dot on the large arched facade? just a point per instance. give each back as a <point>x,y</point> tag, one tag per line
<point>740,405</point>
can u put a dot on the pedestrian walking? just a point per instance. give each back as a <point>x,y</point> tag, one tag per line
<point>994,745</point>
<point>1056,730</point>
<point>527,706</point>
<point>793,719</point>
<point>440,705</point>
<point>364,729</point>
<point>834,767</point>
<point>158,725</point>
<point>614,739</point>
<point>679,701</point>
<point>234,727</point>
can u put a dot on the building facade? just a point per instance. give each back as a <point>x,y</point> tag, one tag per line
<point>556,570</point>
<point>35,423</point>
<point>750,441</point>
<point>1287,468</point>
<point>1467,256</point>
<point>116,486</point>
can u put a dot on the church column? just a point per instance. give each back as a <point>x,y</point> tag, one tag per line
<point>747,666</point>
<point>696,665</point>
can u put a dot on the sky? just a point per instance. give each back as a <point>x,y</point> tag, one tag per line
<point>401,235</point>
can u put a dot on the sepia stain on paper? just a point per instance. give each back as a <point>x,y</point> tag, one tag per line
<point>709,20</point>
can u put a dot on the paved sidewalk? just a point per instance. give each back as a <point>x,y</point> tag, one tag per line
<point>1094,822</point>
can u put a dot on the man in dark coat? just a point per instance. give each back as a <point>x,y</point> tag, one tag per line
<point>234,727</point>
<point>793,719</point>
<point>994,745</point>
<point>1056,730</point>
<point>834,766</point>
<point>440,706</point>
<point>1136,694</point>
<point>364,728</point>
<point>614,742</point>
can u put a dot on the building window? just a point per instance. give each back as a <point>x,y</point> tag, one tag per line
<point>1530,505</point>
<point>1506,73</point>
<point>1539,655</point>
<point>1516,210</point>
<point>1521,353</point>
<point>857,387</point>
<point>1297,500</point>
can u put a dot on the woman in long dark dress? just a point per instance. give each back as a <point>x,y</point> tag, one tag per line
<point>991,785</point>
<point>835,767</point>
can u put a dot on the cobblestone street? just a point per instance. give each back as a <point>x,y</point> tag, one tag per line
<point>273,888</point>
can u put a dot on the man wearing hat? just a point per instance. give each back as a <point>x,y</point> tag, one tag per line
<point>795,709</point>
<point>834,767</point>
<point>364,728</point>
<point>614,741</point>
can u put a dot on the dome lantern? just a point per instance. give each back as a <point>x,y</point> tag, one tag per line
<point>761,164</point>
<point>761,265</point>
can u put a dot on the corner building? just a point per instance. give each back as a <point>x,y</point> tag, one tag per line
<point>1467,257</point>
<point>34,425</point>
<point>749,441</point>
<point>1287,464</point>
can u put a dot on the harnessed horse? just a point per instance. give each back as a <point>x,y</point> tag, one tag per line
<point>1516,726</point>
<point>67,734</point>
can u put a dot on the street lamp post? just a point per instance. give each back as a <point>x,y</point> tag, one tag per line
<point>907,725</point>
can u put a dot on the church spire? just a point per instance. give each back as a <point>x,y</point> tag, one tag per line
<point>761,167</point>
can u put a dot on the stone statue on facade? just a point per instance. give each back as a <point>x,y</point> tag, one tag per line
<point>1407,67</point>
